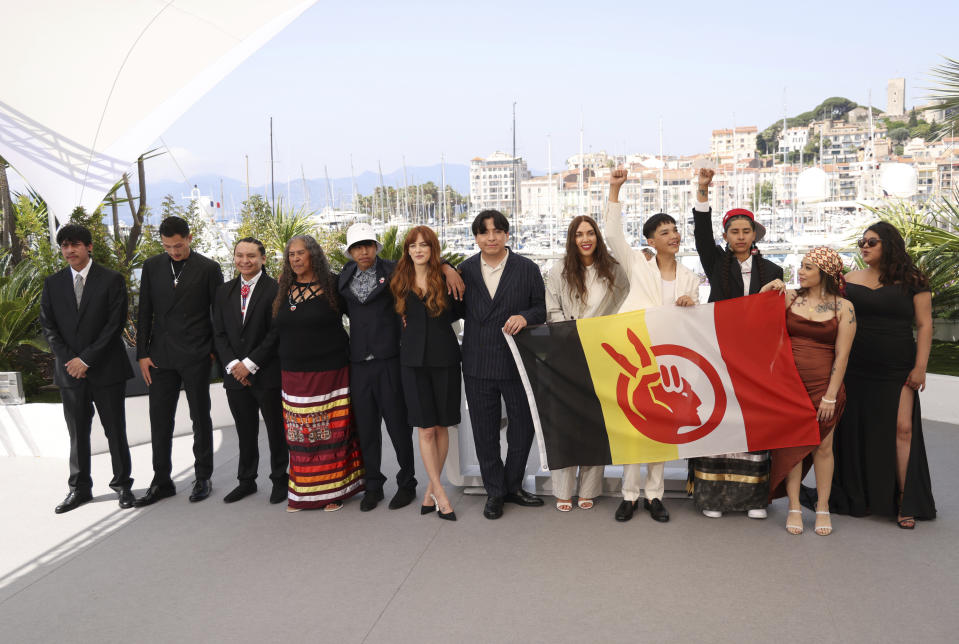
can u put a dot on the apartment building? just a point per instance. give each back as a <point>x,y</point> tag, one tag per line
<point>496,181</point>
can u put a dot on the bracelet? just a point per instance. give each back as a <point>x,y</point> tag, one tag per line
<point>826,400</point>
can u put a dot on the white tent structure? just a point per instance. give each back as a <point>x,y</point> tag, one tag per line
<point>88,86</point>
<point>812,185</point>
<point>898,179</point>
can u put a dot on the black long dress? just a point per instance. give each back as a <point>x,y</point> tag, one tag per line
<point>883,353</point>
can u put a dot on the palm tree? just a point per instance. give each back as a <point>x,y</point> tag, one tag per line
<point>932,241</point>
<point>947,89</point>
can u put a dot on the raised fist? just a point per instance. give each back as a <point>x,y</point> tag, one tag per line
<point>618,177</point>
<point>705,176</point>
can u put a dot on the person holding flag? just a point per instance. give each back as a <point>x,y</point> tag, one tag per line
<point>730,482</point>
<point>652,282</point>
<point>821,325</point>
<point>586,283</point>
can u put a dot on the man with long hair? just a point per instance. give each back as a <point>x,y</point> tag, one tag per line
<point>246,341</point>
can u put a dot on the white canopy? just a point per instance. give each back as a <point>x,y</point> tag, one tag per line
<point>88,86</point>
<point>898,179</point>
<point>812,185</point>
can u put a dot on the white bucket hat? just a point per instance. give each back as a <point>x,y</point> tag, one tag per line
<point>361,232</point>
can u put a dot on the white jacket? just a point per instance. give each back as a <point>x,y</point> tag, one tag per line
<point>645,281</point>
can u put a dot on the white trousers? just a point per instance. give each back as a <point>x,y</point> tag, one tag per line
<point>590,481</point>
<point>633,481</point>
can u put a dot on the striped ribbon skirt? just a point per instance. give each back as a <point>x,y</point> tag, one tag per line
<point>325,462</point>
<point>730,482</point>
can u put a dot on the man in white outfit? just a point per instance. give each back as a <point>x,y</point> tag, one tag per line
<point>651,283</point>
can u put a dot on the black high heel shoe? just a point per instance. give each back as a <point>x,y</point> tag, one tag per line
<point>448,516</point>
<point>426,509</point>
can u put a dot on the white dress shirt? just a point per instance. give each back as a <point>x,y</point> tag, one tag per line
<point>492,274</point>
<point>249,364</point>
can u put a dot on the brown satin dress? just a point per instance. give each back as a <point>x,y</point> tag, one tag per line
<point>814,350</point>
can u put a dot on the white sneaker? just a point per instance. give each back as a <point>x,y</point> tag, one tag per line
<point>712,514</point>
<point>756,513</point>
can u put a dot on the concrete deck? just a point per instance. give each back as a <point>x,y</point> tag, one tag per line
<point>251,572</point>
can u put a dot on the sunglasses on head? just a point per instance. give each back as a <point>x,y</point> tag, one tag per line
<point>871,242</point>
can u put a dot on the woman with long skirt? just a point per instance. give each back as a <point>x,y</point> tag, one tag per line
<point>881,465</point>
<point>325,463</point>
<point>429,356</point>
<point>821,325</point>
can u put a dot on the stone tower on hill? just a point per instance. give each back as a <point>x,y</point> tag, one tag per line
<point>896,97</point>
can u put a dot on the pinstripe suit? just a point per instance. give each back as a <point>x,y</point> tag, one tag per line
<point>489,372</point>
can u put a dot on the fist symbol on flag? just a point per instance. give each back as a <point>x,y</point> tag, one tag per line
<point>658,402</point>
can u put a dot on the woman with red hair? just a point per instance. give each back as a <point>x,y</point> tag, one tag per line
<point>429,356</point>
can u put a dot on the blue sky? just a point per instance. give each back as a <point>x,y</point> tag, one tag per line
<point>383,80</point>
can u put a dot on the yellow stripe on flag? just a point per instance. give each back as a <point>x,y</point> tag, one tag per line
<point>624,371</point>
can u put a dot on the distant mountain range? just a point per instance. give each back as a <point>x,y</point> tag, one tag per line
<point>234,192</point>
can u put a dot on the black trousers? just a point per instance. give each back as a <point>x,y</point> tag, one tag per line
<point>483,398</point>
<point>246,405</point>
<point>377,395</point>
<point>78,403</point>
<point>164,394</point>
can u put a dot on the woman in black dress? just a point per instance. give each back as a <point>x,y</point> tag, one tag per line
<point>880,454</point>
<point>429,356</point>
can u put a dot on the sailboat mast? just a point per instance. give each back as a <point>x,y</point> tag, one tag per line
<point>353,184</point>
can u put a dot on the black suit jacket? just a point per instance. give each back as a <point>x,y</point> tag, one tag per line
<point>521,291</point>
<point>175,325</point>
<point>254,337</point>
<point>92,332</point>
<point>442,350</point>
<point>712,257</point>
<point>374,325</point>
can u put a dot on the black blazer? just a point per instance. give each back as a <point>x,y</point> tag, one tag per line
<point>713,259</point>
<point>521,291</point>
<point>427,341</point>
<point>175,325</point>
<point>374,325</point>
<point>254,337</point>
<point>92,333</point>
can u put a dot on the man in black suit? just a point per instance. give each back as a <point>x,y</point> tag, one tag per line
<point>83,311</point>
<point>504,292</point>
<point>246,342</point>
<point>175,347</point>
<point>375,388</point>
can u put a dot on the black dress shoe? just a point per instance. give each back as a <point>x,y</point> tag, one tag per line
<point>245,488</point>
<point>625,510</point>
<point>201,490</point>
<point>154,494</point>
<point>280,492</point>
<point>426,509</point>
<point>403,497</point>
<point>522,497</point>
<point>370,500</point>
<point>656,510</point>
<point>494,507</point>
<point>126,498</point>
<point>73,500</point>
